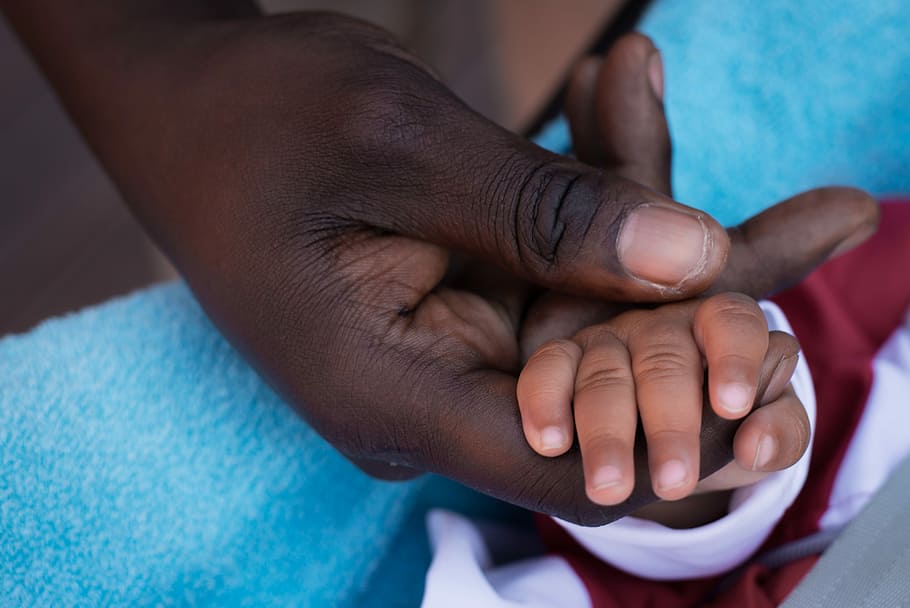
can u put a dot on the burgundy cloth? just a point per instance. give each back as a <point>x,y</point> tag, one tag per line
<point>842,313</point>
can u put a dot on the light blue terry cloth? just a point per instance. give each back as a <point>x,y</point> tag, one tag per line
<point>144,463</point>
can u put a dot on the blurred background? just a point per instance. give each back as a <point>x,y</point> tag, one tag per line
<point>66,239</point>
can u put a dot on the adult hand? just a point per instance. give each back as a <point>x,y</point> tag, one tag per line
<point>312,181</point>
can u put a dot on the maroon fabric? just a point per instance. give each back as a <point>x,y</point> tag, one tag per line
<point>842,313</point>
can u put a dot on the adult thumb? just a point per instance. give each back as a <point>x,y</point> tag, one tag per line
<point>453,178</point>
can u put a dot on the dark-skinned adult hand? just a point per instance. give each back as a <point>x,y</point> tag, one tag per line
<point>312,181</point>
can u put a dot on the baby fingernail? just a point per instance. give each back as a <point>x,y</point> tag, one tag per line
<point>662,245</point>
<point>735,398</point>
<point>767,448</point>
<point>552,438</point>
<point>606,476</point>
<point>671,475</point>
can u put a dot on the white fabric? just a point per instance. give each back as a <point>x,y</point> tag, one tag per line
<point>650,550</point>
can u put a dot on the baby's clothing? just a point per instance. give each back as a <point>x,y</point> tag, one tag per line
<point>852,318</point>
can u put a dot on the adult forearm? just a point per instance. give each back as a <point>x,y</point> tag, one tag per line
<point>117,65</point>
<point>76,44</point>
<point>49,27</point>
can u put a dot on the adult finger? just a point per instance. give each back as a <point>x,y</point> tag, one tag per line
<point>580,112</point>
<point>630,133</point>
<point>778,247</point>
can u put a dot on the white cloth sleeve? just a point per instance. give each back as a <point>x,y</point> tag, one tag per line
<point>650,550</point>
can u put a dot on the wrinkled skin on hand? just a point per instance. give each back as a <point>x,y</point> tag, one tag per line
<point>371,245</point>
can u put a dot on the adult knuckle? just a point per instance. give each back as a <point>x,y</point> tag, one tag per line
<point>382,117</point>
<point>550,214</point>
<point>394,107</point>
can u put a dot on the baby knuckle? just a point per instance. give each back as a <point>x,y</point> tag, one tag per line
<point>603,379</point>
<point>605,440</point>
<point>661,365</point>
<point>556,350</point>
<point>672,436</point>
<point>786,343</point>
<point>735,307</point>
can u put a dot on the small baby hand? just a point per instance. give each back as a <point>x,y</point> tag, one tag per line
<point>651,364</point>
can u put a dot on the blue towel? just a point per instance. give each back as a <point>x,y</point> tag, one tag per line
<point>144,463</point>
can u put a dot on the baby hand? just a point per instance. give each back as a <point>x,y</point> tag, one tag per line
<point>651,364</point>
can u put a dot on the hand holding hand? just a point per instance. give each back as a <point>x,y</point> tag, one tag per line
<point>661,366</point>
